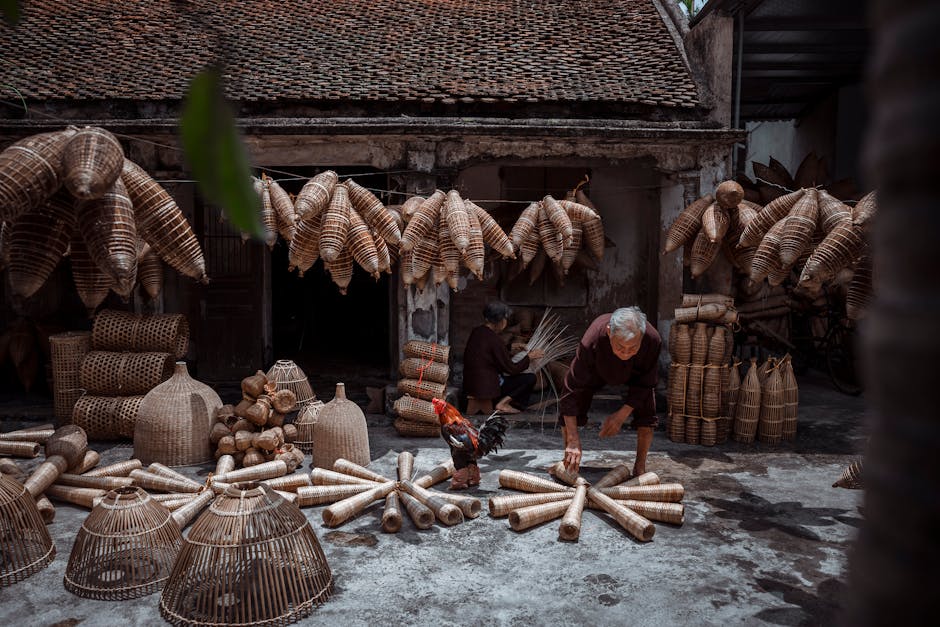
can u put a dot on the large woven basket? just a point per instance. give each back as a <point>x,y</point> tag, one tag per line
<point>125,331</point>
<point>340,432</point>
<point>424,369</point>
<point>108,373</point>
<point>174,421</point>
<point>288,376</point>
<point>37,241</point>
<point>425,350</point>
<point>92,162</point>
<point>305,424</point>
<point>31,171</point>
<point>416,410</point>
<point>68,351</point>
<point>25,544</point>
<point>417,429</point>
<point>252,558</point>
<point>107,417</point>
<point>125,548</point>
<point>426,390</point>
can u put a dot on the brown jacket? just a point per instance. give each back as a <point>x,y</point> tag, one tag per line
<point>484,359</point>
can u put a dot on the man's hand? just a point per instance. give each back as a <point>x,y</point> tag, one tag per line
<point>614,422</point>
<point>572,458</point>
<point>536,353</point>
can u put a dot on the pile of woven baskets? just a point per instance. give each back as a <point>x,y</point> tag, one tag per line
<point>72,192</point>
<point>560,233</point>
<point>130,355</point>
<point>703,387</point>
<point>444,232</point>
<point>424,372</point>
<point>767,403</point>
<point>254,431</point>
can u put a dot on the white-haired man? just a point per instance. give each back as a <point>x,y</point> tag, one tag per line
<point>620,348</point>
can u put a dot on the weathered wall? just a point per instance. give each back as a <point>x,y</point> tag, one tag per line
<point>710,47</point>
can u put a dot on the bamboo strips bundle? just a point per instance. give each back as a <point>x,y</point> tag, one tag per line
<point>639,527</point>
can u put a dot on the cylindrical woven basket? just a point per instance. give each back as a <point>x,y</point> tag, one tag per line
<point>425,350</point>
<point>675,427</point>
<point>711,392</point>
<point>699,344</point>
<point>791,400</point>
<point>424,369</point>
<point>287,375</point>
<point>747,409</point>
<point>416,410</point>
<point>125,331</point>
<point>683,347</point>
<point>426,390</point>
<point>125,548</point>
<point>174,421</point>
<point>416,429</point>
<point>252,558</point>
<point>106,373</point>
<point>722,429</point>
<point>526,482</point>
<point>68,351</point>
<point>25,544</point>
<point>107,417</point>
<point>693,390</point>
<point>770,424</point>
<point>693,429</point>
<point>340,431</point>
<point>305,424</point>
<point>678,379</point>
<point>709,432</point>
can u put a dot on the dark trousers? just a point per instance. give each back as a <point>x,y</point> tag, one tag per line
<point>518,387</point>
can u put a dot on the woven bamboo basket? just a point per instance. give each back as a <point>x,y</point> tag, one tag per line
<point>416,429</point>
<point>99,483</point>
<point>159,469</point>
<point>474,256</point>
<point>126,331</point>
<point>530,248</point>
<point>593,237</point>
<point>150,272</point>
<point>693,429</point>
<point>347,467</point>
<point>153,481</point>
<point>283,210</point>
<point>391,515</point>
<point>323,494</point>
<point>469,506</point>
<point>693,390</point>
<point>729,194</point>
<point>423,256</point>
<point>362,245</point>
<point>422,223</point>
<point>334,228</point>
<point>445,511</point>
<point>663,492</point>
<point>174,421</point>
<point>322,476</point>
<point>525,225</point>
<point>675,427</point>
<point>766,259</point>
<point>428,370</point>
<point>838,250</point>
<point>578,211</point>
<point>441,472</point>
<point>859,295</point>
<point>493,235</point>
<point>304,249</point>
<point>383,253</point>
<point>706,312</point>
<point>125,548</point>
<point>340,431</point>
<point>799,228</point>
<point>162,225</point>
<point>252,558</point>
<point>68,350</point>
<point>672,513</point>
<point>341,511</point>
<point>715,222</point>
<point>305,424</point>
<point>23,449</point>
<point>406,465</point>
<point>687,225</point>
<point>703,254</point>
<point>699,344</point>
<point>558,217</point>
<point>341,270</point>
<point>30,172</point>
<point>416,410</point>
<point>851,478</point>
<point>458,220</point>
<point>526,482</point>
<point>528,517</point>
<point>772,213</point>
<point>108,226</point>
<point>708,435</point>
<point>722,429</point>
<point>831,211</point>
<point>91,283</point>
<point>678,380</point>
<point>315,196</point>
<point>865,210</point>
<point>647,478</point>
<point>500,506</point>
<point>426,390</point>
<point>124,374</point>
<point>570,527</point>
<point>107,417</point>
<point>289,483</point>
<point>770,424</point>
<point>791,400</point>
<point>25,544</point>
<point>616,475</point>
<point>747,408</point>
<point>92,161</point>
<point>37,241</point>
<point>287,375</point>
<point>266,470</point>
<point>374,212</point>
<point>725,382</point>
<point>711,392</point>
<point>551,239</point>
<point>268,219</point>
<point>421,515</point>
<point>38,436</point>
<point>637,526</point>
<point>119,469</point>
<point>716,347</point>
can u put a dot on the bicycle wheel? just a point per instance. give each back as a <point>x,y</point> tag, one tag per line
<point>840,360</point>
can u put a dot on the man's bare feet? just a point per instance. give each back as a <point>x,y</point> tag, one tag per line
<point>637,470</point>
<point>507,409</point>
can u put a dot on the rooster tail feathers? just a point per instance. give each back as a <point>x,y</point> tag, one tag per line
<point>491,435</point>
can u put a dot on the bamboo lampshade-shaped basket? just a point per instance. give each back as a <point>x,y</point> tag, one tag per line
<point>340,432</point>
<point>25,544</point>
<point>125,548</point>
<point>287,375</point>
<point>174,421</point>
<point>252,558</point>
<point>68,351</point>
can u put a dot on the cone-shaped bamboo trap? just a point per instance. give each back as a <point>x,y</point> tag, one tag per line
<point>25,545</point>
<point>125,548</point>
<point>252,559</point>
<point>287,375</point>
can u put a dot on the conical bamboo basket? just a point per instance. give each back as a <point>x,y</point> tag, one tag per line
<point>315,195</point>
<point>683,344</point>
<point>92,162</point>
<point>851,477</point>
<point>37,241</point>
<point>125,548</point>
<point>25,544</point>
<point>799,228</point>
<point>304,249</point>
<point>362,245</point>
<point>700,344</point>
<point>340,431</point>
<point>747,409</point>
<point>334,228</point>
<point>109,228</point>
<point>773,212</point>
<point>150,272</point>
<point>791,400</point>
<point>174,421</point>
<point>374,212</point>
<point>678,380</point>
<point>283,210</point>
<point>770,424</point>
<point>687,225</point>
<point>91,283</point>
<point>526,482</point>
<point>31,172</point>
<point>252,558</point>
<point>838,250</point>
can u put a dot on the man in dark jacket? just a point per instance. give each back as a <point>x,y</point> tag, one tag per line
<point>489,373</point>
<point>621,348</point>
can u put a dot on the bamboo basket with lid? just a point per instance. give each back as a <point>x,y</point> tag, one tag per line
<point>25,544</point>
<point>251,558</point>
<point>340,432</point>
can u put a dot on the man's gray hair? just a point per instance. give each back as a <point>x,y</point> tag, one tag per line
<point>627,322</point>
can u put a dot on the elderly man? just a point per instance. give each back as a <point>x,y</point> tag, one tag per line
<point>621,348</point>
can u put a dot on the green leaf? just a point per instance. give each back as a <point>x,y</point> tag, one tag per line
<point>216,154</point>
<point>11,11</point>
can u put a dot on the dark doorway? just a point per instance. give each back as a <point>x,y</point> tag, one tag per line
<point>333,337</point>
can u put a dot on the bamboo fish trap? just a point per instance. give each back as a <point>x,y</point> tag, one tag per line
<point>25,544</point>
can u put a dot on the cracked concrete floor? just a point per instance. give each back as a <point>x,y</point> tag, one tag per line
<point>765,541</point>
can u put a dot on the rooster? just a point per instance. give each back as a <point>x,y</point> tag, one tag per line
<point>467,443</point>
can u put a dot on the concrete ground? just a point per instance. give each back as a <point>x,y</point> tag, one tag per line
<point>765,540</point>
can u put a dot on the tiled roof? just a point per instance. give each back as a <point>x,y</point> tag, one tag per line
<point>349,50</point>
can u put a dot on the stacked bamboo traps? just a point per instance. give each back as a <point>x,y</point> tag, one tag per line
<point>75,190</point>
<point>349,489</point>
<point>254,431</point>
<point>768,403</point>
<point>341,222</point>
<point>444,232</point>
<point>559,232</point>
<point>703,384</point>
<point>424,374</point>
<point>633,502</point>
